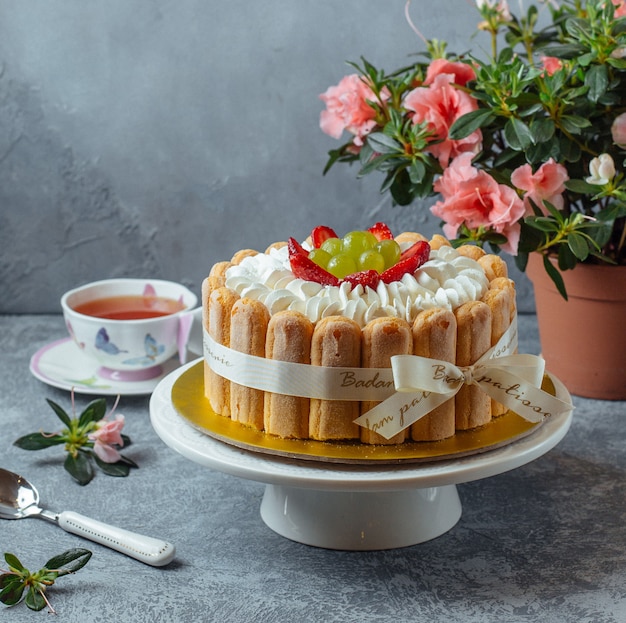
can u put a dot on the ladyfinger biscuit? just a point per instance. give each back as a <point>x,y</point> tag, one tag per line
<point>494,266</point>
<point>336,342</point>
<point>217,276</point>
<point>217,313</point>
<point>471,251</point>
<point>438,241</point>
<point>499,302</point>
<point>248,328</point>
<point>289,336</point>
<point>243,253</point>
<point>434,336</point>
<point>410,237</point>
<point>382,339</point>
<point>504,283</point>
<point>472,406</point>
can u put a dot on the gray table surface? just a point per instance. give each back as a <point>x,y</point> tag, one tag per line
<point>544,542</point>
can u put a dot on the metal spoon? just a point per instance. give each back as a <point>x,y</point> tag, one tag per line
<point>18,499</point>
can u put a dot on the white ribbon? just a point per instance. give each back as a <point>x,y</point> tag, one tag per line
<point>407,391</point>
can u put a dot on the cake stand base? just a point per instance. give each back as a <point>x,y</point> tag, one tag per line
<point>353,507</point>
<point>360,520</point>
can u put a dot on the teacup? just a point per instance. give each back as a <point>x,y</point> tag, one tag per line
<point>130,326</point>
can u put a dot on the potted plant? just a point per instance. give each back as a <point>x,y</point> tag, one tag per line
<point>524,151</point>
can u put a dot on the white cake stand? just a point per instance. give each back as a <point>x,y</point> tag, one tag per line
<point>352,507</point>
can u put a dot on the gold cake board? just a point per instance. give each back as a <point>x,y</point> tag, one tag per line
<point>190,403</point>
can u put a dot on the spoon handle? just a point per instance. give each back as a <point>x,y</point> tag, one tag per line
<point>152,551</point>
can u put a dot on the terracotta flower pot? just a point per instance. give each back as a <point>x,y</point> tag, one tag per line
<point>583,339</point>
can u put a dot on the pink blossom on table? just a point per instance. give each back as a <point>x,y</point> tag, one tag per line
<point>602,170</point>
<point>618,131</point>
<point>106,435</point>
<point>347,108</point>
<point>546,184</point>
<point>472,197</point>
<point>620,8</point>
<point>551,64</point>
<point>440,104</point>
<point>462,72</point>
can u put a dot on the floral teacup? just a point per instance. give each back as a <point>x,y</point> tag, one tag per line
<point>130,326</point>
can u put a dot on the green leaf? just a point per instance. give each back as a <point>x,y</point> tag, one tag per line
<point>597,79</point>
<point>38,441</point>
<point>93,412</point>
<point>60,412</point>
<point>11,588</point>
<point>417,171</point>
<point>574,124</point>
<point>517,134</point>
<point>69,561</point>
<point>554,274</point>
<point>543,223</point>
<point>582,187</point>
<point>14,562</point>
<point>79,467</point>
<point>119,469</point>
<point>34,599</point>
<point>383,144</point>
<point>578,246</point>
<point>542,130</point>
<point>470,122</point>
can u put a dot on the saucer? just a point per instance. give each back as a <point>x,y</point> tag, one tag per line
<point>62,364</point>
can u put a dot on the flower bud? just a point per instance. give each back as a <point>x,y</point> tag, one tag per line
<point>618,131</point>
<point>602,170</point>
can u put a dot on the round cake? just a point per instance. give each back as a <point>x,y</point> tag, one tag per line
<point>275,323</point>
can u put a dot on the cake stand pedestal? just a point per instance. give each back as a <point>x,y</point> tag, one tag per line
<point>352,507</point>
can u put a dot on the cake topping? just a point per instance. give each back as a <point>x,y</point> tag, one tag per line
<point>359,258</point>
<point>448,279</point>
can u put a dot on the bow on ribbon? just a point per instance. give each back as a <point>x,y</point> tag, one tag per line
<point>423,384</point>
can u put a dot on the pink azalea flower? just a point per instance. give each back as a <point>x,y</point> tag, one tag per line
<point>347,108</point>
<point>618,131</point>
<point>551,64</point>
<point>474,198</point>
<point>462,72</point>
<point>440,104</point>
<point>106,436</point>
<point>547,183</point>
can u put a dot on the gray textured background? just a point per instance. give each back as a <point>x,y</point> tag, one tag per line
<point>155,137</point>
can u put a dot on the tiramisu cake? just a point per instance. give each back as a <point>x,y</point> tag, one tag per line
<point>352,303</point>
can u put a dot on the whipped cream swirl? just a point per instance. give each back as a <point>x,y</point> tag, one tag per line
<point>446,280</point>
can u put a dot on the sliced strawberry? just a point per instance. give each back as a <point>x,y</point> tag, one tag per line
<point>420,248</point>
<point>365,278</point>
<point>320,234</point>
<point>410,261</point>
<point>381,231</point>
<point>295,248</point>
<point>306,269</point>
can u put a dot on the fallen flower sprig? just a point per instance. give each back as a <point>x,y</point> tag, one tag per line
<point>18,579</point>
<point>87,438</point>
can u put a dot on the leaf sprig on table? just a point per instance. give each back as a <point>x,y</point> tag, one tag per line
<point>18,579</point>
<point>89,438</point>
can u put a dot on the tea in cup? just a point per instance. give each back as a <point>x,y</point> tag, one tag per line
<point>129,326</point>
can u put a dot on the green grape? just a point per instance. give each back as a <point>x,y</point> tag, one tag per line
<point>390,250</point>
<point>320,257</point>
<point>341,265</point>
<point>371,260</point>
<point>332,246</point>
<point>357,242</point>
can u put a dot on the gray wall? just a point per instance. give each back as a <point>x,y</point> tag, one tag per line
<point>155,137</point>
